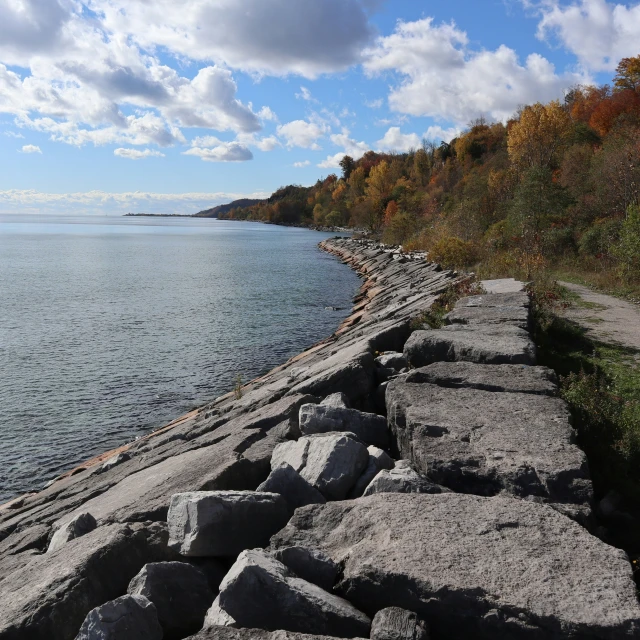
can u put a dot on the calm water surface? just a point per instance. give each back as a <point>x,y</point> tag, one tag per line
<point>110,327</point>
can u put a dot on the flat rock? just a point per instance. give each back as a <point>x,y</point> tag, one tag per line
<point>259,591</point>
<point>180,593</point>
<point>514,378</point>
<point>379,460</point>
<point>502,285</point>
<point>114,461</point>
<point>484,442</point>
<point>486,345</point>
<point>223,523</point>
<point>50,596</point>
<point>474,567</point>
<point>310,565</point>
<point>339,400</point>
<point>295,490</point>
<point>518,299</point>
<point>228,633</point>
<point>401,479</point>
<point>82,524</point>
<point>130,617</point>
<point>512,315</point>
<point>369,427</point>
<point>331,462</point>
<point>394,623</point>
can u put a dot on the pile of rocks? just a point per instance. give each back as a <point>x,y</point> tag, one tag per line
<point>386,484</point>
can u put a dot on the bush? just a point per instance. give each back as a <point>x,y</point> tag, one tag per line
<point>628,249</point>
<point>333,219</point>
<point>453,253</point>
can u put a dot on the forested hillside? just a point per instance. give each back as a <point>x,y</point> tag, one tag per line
<point>558,184</point>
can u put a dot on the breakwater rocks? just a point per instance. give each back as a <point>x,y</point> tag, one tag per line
<point>386,483</point>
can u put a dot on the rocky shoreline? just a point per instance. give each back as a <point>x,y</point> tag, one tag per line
<point>386,483</point>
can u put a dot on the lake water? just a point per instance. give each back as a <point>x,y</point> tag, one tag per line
<point>112,326</point>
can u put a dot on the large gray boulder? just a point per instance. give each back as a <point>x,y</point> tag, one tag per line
<point>392,360</point>
<point>401,479</point>
<point>483,442</point>
<point>180,593</point>
<point>259,591</point>
<point>369,427</point>
<point>50,596</point>
<point>331,462</point>
<point>474,567</point>
<point>296,491</point>
<point>83,523</point>
<point>379,460</point>
<point>483,344</point>
<point>223,523</point>
<point>310,565</point>
<point>129,617</point>
<point>514,378</point>
<point>338,400</point>
<point>394,623</point>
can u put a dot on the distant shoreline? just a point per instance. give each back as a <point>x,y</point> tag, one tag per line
<point>158,215</point>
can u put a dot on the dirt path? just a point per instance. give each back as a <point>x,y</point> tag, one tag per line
<point>606,318</point>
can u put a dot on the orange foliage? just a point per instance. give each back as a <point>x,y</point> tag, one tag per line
<point>392,210</point>
<point>608,111</point>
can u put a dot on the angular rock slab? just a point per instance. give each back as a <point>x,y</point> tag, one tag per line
<point>125,618</point>
<point>310,565</point>
<point>483,442</point>
<point>224,523</point>
<point>394,623</point>
<point>179,592</point>
<point>83,523</point>
<point>369,427</point>
<point>474,567</point>
<point>514,378</point>
<point>331,462</point>
<point>401,479</point>
<point>515,316</point>
<point>259,591</point>
<point>296,491</point>
<point>227,633</point>
<point>339,400</point>
<point>482,344</point>
<point>379,460</point>
<point>48,598</point>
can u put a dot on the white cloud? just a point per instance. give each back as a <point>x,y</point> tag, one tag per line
<point>351,148</point>
<point>599,33</point>
<point>137,154</point>
<point>267,114</point>
<point>395,140</point>
<point>31,148</point>
<point>442,77</point>
<point>275,37</point>
<point>12,134</point>
<point>266,143</point>
<point>332,162</point>
<point>305,94</point>
<point>210,149</point>
<point>374,104</point>
<point>102,202</point>
<point>438,134</point>
<point>300,133</point>
<point>303,163</point>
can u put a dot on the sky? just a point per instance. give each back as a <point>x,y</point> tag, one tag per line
<point>172,106</point>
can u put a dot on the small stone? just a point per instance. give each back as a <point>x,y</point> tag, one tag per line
<point>83,523</point>
<point>125,618</point>
<point>402,479</point>
<point>114,461</point>
<point>394,623</point>
<point>337,400</point>
<point>296,491</point>
<point>392,360</point>
<point>379,460</point>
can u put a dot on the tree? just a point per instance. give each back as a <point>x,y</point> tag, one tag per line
<point>347,164</point>
<point>628,74</point>
<point>391,211</point>
<point>379,183</point>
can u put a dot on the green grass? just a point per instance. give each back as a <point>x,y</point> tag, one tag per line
<point>601,383</point>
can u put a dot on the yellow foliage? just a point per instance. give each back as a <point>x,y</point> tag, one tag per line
<point>536,139</point>
<point>379,182</point>
<point>452,252</point>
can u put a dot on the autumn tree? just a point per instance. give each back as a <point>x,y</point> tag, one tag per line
<point>390,211</point>
<point>628,74</point>
<point>538,137</point>
<point>347,164</point>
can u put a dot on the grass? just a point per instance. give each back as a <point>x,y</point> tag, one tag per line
<point>601,383</point>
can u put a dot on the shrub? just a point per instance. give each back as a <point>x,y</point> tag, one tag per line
<point>452,252</point>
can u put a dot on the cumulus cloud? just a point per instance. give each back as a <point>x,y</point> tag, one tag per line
<point>101,202</point>
<point>31,148</point>
<point>350,147</point>
<point>438,134</point>
<point>395,140</point>
<point>303,163</point>
<point>442,77</point>
<point>599,33</point>
<point>137,154</point>
<point>332,162</point>
<point>275,37</point>
<point>300,133</point>
<point>210,149</point>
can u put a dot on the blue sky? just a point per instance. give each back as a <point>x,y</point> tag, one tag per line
<point>109,106</point>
